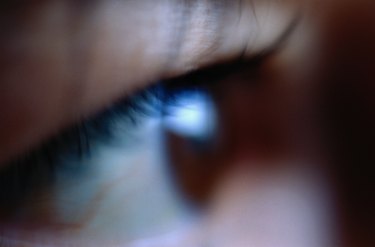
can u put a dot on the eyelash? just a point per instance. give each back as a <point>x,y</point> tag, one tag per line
<point>38,167</point>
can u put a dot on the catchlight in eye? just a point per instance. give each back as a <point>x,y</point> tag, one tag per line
<point>192,116</point>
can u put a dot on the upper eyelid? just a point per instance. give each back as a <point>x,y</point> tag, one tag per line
<point>99,89</point>
<point>224,67</point>
<point>242,61</point>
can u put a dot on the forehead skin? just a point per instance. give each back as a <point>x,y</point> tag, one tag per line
<point>64,60</point>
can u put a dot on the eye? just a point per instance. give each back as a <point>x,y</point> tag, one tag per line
<point>118,176</point>
<point>115,167</point>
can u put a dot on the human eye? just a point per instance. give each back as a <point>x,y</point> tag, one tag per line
<point>104,180</point>
<point>73,181</point>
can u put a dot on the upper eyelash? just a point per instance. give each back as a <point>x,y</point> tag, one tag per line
<point>37,168</point>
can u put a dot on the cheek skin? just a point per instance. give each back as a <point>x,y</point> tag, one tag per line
<point>64,61</point>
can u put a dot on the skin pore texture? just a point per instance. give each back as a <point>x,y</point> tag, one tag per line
<point>280,182</point>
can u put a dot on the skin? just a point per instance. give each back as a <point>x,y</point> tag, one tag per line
<point>78,59</point>
<point>64,61</point>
